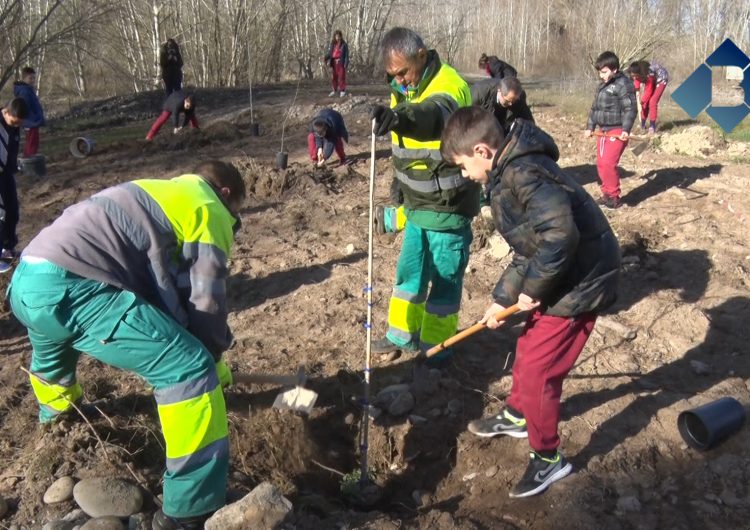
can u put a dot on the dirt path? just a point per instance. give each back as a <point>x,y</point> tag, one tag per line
<point>298,270</point>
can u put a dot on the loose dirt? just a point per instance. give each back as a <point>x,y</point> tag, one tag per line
<point>298,271</point>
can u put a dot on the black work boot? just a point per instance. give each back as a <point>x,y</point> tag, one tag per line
<point>161,521</point>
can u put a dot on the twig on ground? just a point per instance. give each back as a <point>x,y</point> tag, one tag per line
<point>336,471</point>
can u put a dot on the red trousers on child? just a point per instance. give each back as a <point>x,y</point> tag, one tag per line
<point>546,351</point>
<point>31,146</point>
<point>608,153</point>
<point>650,101</point>
<point>162,119</point>
<point>339,76</point>
<point>312,149</point>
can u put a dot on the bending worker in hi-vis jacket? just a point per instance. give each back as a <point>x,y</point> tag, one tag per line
<point>135,276</point>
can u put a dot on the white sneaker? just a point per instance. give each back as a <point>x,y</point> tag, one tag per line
<point>343,93</point>
<point>333,93</point>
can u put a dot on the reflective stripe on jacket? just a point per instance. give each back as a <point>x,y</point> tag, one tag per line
<point>427,182</point>
<point>166,240</point>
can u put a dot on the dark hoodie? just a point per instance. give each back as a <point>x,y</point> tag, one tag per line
<point>566,255</point>
<point>336,130</point>
<point>35,117</point>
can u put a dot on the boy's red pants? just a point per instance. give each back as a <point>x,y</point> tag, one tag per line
<point>608,153</point>
<point>546,351</point>
<point>339,77</point>
<point>162,119</point>
<point>650,101</point>
<point>31,146</point>
<point>312,149</point>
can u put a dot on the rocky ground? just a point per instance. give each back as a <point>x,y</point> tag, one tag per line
<point>296,296</point>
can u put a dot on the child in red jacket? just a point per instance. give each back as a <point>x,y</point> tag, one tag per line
<point>654,79</point>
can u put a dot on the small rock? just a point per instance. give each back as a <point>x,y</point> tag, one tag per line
<point>628,504</point>
<point>491,472</point>
<point>469,476</point>
<point>402,404</point>
<point>416,496</point>
<point>101,497</point>
<point>454,407</point>
<point>350,249</point>
<point>416,420</point>
<point>450,383</point>
<point>349,419</point>
<point>713,498</point>
<point>486,212</point>
<point>386,396</point>
<point>59,524</point>
<point>390,356</point>
<point>103,523</point>
<point>264,507</point>
<point>61,490</point>
<point>700,368</point>
<point>77,516</point>
<point>139,521</point>
<point>3,506</point>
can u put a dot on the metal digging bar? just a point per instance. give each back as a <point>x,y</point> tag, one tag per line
<point>359,487</point>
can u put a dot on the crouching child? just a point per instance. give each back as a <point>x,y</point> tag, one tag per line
<point>327,132</point>
<point>564,272</point>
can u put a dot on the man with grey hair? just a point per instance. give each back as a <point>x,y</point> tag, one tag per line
<point>505,98</point>
<point>439,202</point>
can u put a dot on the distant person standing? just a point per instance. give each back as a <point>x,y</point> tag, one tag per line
<point>495,67</point>
<point>505,98</point>
<point>11,117</point>
<point>338,59</point>
<point>26,90</point>
<point>177,103</point>
<point>654,79</point>
<point>170,61</point>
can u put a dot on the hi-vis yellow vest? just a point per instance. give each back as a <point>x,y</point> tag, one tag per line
<point>427,182</point>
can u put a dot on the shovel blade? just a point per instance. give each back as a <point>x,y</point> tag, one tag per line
<point>638,149</point>
<point>298,399</point>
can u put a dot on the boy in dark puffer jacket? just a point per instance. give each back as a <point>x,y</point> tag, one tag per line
<point>613,111</point>
<point>565,271</point>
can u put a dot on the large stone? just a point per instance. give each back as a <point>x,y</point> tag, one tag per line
<point>101,497</point>
<point>401,405</point>
<point>264,507</point>
<point>103,523</point>
<point>61,490</point>
<point>386,396</point>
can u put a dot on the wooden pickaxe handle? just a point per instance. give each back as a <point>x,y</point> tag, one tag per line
<point>500,315</point>
<point>605,135</point>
